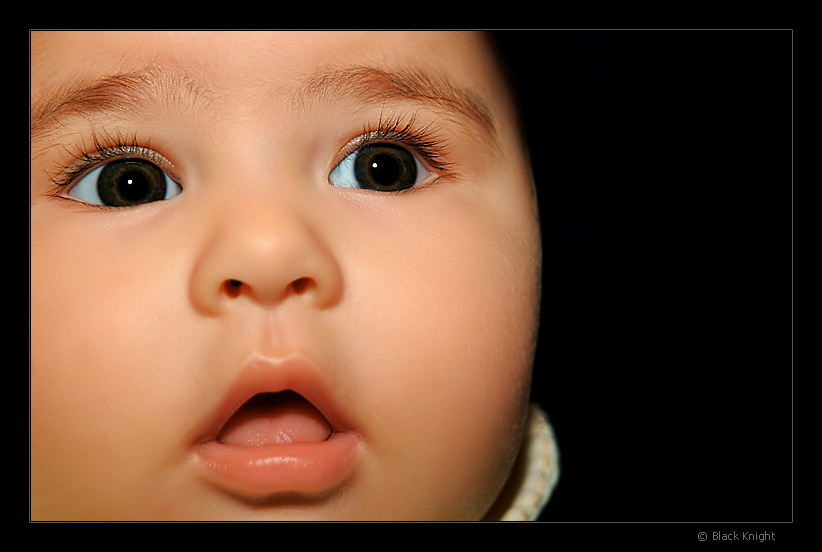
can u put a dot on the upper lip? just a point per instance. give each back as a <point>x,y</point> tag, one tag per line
<point>264,375</point>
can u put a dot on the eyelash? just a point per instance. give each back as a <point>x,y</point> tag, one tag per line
<point>107,148</point>
<point>419,139</point>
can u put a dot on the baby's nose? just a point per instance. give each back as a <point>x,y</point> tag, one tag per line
<point>266,253</point>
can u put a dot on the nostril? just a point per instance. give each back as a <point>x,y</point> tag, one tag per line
<point>300,285</point>
<point>232,287</point>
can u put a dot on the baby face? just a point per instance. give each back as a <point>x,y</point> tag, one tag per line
<point>276,276</point>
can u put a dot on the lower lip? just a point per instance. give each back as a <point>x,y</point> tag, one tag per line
<point>260,472</point>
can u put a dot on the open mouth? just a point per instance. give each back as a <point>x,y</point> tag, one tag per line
<point>281,418</point>
<point>277,431</point>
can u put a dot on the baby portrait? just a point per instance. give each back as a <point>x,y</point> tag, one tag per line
<point>297,277</point>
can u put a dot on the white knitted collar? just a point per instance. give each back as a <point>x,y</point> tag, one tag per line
<point>531,485</point>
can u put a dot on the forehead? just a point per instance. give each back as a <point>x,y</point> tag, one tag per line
<point>233,61</point>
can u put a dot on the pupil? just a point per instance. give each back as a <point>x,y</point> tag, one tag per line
<point>133,186</point>
<point>385,170</point>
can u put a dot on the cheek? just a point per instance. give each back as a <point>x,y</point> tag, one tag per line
<point>452,355</point>
<point>97,359</point>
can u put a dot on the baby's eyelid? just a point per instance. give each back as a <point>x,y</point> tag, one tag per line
<point>86,163</point>
<point>425,145</point>
<point>423,161</point>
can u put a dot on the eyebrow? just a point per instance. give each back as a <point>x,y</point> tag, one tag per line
<point>375,85</point>
<point>120,93</point>
<point>126,93</point>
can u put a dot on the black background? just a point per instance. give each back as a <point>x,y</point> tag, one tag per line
<point>663,163</point>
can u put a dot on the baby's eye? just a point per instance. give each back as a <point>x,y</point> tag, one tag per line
<point>125,183</point>
<point>382,167</point>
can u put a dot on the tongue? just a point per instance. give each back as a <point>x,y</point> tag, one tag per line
<point>275,419</point>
